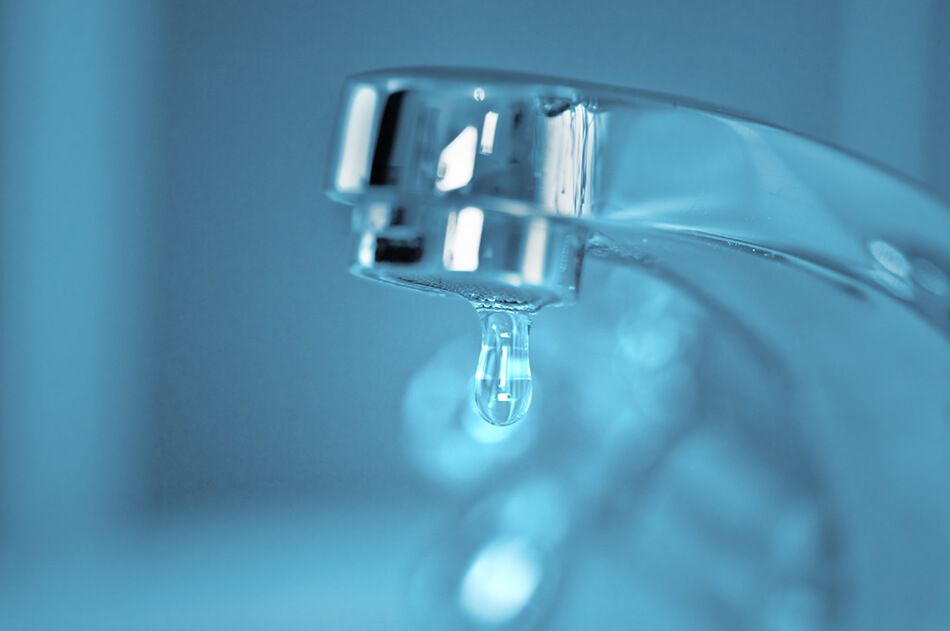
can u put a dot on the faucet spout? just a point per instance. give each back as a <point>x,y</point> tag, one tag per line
<point>494,186</point>
<point>462,182</point>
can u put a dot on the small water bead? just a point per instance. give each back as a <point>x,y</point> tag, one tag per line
<point>503,377</point>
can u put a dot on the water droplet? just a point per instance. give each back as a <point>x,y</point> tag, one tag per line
<point>503,377</point>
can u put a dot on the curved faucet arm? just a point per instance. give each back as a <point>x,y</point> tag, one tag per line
<point>482,176</point>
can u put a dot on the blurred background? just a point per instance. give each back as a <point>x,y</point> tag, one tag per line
<point>199,408</point>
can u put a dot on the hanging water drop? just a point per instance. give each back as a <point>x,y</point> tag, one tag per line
<point>503,377</point>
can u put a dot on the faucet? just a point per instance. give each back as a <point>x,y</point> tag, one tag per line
<point>497,187</point>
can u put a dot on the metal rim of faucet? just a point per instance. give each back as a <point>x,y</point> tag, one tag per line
<point>451,191</point>
<point>464,181</point>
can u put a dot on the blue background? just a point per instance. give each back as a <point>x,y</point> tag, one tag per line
<point>189,374</point>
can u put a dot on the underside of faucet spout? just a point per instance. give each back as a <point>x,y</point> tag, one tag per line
<point>490,258</point>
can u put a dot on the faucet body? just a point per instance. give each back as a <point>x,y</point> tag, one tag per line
<point>496,187</point>
<point>527,155</point>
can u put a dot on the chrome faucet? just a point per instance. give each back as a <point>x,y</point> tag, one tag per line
<point>496,187</point>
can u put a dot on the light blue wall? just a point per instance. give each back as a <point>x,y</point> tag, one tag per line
<point>78,147</point>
